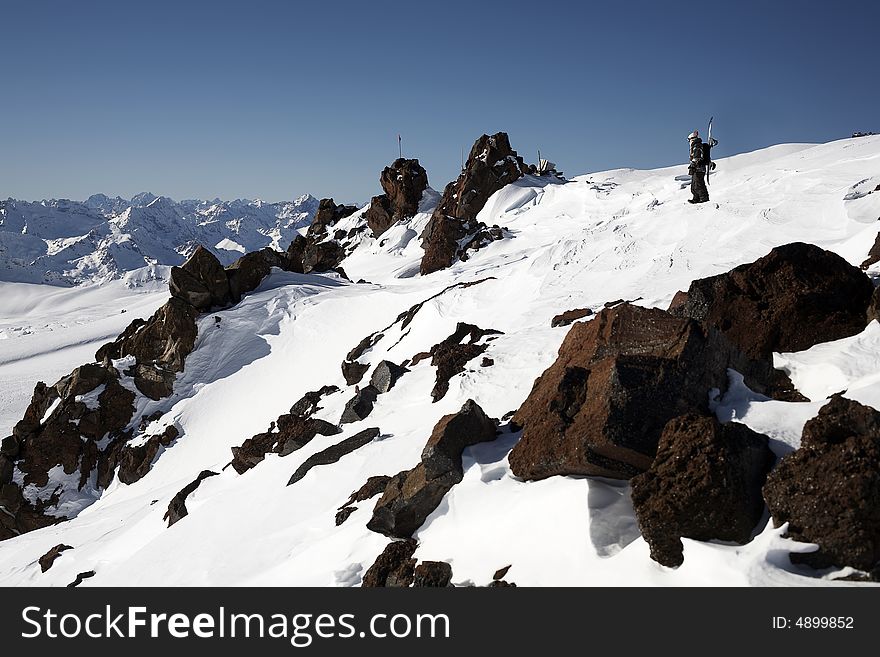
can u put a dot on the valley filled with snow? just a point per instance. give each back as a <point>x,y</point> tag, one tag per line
<point>582,243</point>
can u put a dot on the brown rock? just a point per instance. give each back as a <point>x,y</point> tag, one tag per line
<point>394,567</point>
<point>452,354</point>
<point>287,435</point>
<point>874,305</point>
<point>177,507</point>
<point>827,490</point>
<point>353,371</point>
<point>135,462</point>
<point>403,182</point>
<point>308,403</point>
<point>796,296</point>
<point>601,407</point>
<point>360,406</point>
<point>432,574</point>
<point>704,484</point>
<point>491,165</point>
<point>246,273</point>
<point>442,452</point>
<point>49,558</point>
<point>327,215</point>
<point>333,453</point>
<point>873,254</point>
<point>201,281</point>
<point>322,257</point>
<point>569,316</point>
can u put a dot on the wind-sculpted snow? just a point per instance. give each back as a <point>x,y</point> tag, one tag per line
<point>621,234</point>
<point>65,242</point>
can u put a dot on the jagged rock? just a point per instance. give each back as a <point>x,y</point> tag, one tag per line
<point>442,452</point>
<point>705,484</point>
<point>491,165</point>
<point>500,573</point>
<point>873,254</point>
<point>501,584</point>
<point>411,495</point>
<point>289,434</point>
<point>372,487</point>
<point>796,296</point>
<point>353,371</point>
<point>295,254</point>
<point>327,215</point>
<point>435,574</point>
<point>308,403</point>
<point>6,469</point>
<point>874,306</point>
<point>246,273</point>
<point>359,406</point>
<point>452,354</point>
<point>385,376</point>
<point>49,558</point>
<point>487,362</point>
<point>601,407</point>
<point>135,462</point>
<point>42,398</point>
<point>569,316</point>
<point>160,346</point>
<point>394,567</point>
<point>177,506</point>
<point>334,453</point>
<point>201,281</point>
<point>678,300</point>
<point>827,490</point>
<point>80,578</point>
<point>403,182</point>
<point>322,257</point>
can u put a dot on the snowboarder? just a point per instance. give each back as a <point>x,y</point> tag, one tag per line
<point>699,162</point>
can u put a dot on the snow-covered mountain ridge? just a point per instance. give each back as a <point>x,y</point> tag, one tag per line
<point>65,242</point>
<point>584,243</point>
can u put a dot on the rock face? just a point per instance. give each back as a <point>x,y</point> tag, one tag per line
<point>403,182</point>
<point>246,273</point>
<point>412,495</point>
<point>394,567</point>
<point>570,316</point>
<point>601,407</point>
<point>135,462</point>
<point>322,257</point>
<point>453,229</point>
<point>177,506</point>
<point>436,574</point>
<point>201,281</point>
<point>328,215</point>
<point>796,296</point>
<point>288,434</point>
<point>334,453</point>
<point>827,490</point>
<point>704,484</point>
<point>452,354</point>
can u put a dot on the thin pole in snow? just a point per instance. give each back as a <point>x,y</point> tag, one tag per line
<point>399,148</point>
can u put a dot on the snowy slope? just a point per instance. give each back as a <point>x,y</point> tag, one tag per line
<point>620,234</point>
<point>68,242</point>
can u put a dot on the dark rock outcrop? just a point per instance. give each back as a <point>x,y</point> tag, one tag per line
<point>569,316</point>
<point>372,487</point>
<point>246,273</point>
<point>874,306</point>
<point>434,574</point>
<point>307,405</point>
<point>288,434</point>
<point>177,506</point>
<point>322,257</point>
<point>49,558</point>
<point>353,371</point>
<point>360,406</point>
<point>704,484</point>
<point>827,490</point>
<point>80,578</point>
<point>452,354</point>
<point>491,165</point>
<point>334,453</point>
<point>135,462</point>
<point>411,495</point>
<point>394,567</point>
<point>328,215</point>
<point>385,375</point>
<point>873,254</point>
<point>601,407</point>
<point>796,296</point>
<point>201,281</point>
<point>403,183</point>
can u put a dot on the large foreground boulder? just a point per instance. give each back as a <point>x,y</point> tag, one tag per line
<point>705,484</point>
<point>412,495</point>
<point>828,489</point>
<point>796,296</point>
<point>201,281</point>
<point>601,407</point>
<point>491,165</point>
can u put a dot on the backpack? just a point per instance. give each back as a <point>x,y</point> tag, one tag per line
<point>705,156</point>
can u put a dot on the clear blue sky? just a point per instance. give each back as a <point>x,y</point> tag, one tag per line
<point>273,99</point>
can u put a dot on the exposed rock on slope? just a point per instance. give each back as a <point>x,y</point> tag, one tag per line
<point>619,378</point>
<point>412,495</point>
<point>201,281</point>
<point>827,490</point>
<point>570,316</point>
<point>372,487</point>
<point>394,567</point>
<point>177,507</point>
<point>453,229</point>
<point>704,484</point>
<point>333,453</point>
<point>796,296</point>
<point>403,182</point>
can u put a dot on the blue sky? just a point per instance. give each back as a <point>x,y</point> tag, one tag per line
<point>273,99</point>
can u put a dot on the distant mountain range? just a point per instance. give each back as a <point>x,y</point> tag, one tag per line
<point>63,242</point>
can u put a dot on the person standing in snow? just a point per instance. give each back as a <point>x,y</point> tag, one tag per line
<point>697,169</point>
